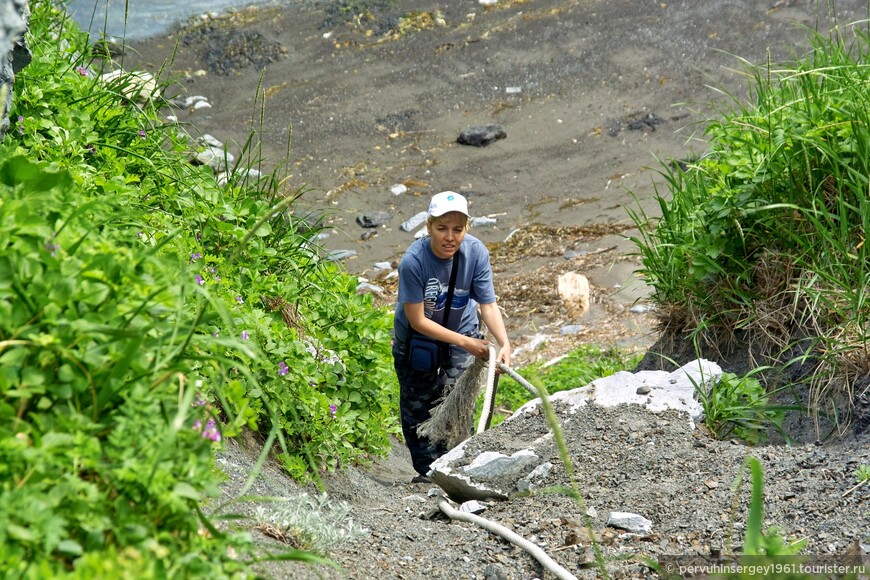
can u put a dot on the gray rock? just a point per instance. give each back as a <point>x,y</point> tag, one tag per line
<point>339,255</point>
<point>216,158</point>
<point>571,254</point>
<point>529,482</point>
<point>138,86</point>
<point>629,522</point>
<point>459,486</point>
<point>571,329</point>
<point>211,141</point>
<point>381,270</point>
<point>189,102</point>
<point>481,136</point>
<point>240,175</point>
<point>414,222</point>
<point>676,390</point>
<point>491,466</point>
<point>373,220</point>
<point>14,54</point>
<point>473,507</point>
<point>540,472</point>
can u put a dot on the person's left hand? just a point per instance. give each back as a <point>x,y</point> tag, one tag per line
<point>503,356</point>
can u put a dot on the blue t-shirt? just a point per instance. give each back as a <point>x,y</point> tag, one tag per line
<point>424,277</point>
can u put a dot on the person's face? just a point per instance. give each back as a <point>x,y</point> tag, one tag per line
<point>446,234</point>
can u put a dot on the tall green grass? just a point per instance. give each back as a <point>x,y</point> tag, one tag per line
<point>762,240</point>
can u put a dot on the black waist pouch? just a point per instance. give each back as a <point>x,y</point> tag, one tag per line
<point>424,354</point>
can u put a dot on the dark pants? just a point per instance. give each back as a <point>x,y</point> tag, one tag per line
<point>419,393</point>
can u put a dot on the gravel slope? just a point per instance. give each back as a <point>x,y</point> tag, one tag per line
<point>625,459</point>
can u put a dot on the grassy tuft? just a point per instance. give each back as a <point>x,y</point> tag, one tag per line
<point>762,240</point>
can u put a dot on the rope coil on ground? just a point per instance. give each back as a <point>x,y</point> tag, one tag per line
<point>533,549</point>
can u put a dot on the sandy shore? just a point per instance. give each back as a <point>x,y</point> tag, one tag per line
<point>590,94</point>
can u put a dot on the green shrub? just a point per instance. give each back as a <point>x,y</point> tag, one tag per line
<point>97,426</point>
<point>739,406</point>
<point>145,314</point>
<point>764,235</point>
<point>264,297</point>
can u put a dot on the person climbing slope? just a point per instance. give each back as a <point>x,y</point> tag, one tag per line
<point>443,278</point>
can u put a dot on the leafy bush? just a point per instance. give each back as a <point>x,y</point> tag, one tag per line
<point>268,307</point>
<point>146,313</point>
<point>97,423</point>
<point>764,235</point>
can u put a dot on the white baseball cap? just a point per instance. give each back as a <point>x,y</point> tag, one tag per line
<point>447,201</point>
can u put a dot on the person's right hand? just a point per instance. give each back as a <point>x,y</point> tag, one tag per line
<point>477,347</point>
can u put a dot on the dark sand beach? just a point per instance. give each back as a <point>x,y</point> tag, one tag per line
<point>593,98</point>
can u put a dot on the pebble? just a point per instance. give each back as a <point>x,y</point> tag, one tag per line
<point>339,255</point>
<point>481,136</point>
<point>211,141</point>
<point>414,222</point>
<point>374,219</point>
<point>571,254</point>
<point>188,102</point>
<point>482,221</point>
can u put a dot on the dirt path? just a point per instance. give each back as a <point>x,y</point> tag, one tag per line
<point>625,459</point>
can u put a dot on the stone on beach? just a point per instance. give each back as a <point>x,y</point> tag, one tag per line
<point>481,136</point>
<point>136,85</point>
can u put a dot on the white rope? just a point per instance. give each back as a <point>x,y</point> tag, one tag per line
<point>449,420</point>
<point>488,404</point>
<point>513,374</point>
<point>533,549</point>
<point>489,396</point>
